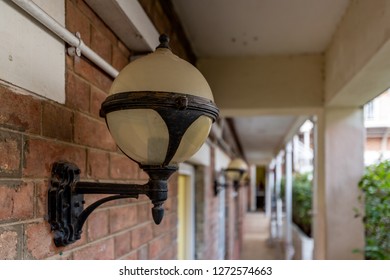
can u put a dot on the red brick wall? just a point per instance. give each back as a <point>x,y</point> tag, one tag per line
<point>34,133</point>
<point>206,216</point>
<point>373,144</point>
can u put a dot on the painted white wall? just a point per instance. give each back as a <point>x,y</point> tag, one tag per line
<point>31,57</point>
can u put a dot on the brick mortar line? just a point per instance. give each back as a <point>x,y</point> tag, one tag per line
<point>123,257</point>
<point>168,232</point>
<point>89,116</point>
<point>35,200</point>
<point>167,247</point>
<point>90,83</point>
<point>92,22</point>
<point>22,222</point>
<point>120,206</point>
<point>164,251</point>
<point>36,179</point>
<point>57,141</point>
<point>20,91</point>
<point>111,236</point>
<point>40,219</point>
<point>24,241</point>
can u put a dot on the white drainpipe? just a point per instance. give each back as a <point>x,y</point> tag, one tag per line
<point>75,41</point>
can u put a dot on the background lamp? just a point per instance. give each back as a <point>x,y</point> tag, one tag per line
<point>235,171</point>
<point>159,111</point>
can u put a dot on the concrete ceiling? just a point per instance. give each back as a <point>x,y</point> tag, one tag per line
<point>226,28</point>
<point>262,135</point>
<point>258,27</point>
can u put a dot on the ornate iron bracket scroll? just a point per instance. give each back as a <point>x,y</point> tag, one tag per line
<point>66,198</point>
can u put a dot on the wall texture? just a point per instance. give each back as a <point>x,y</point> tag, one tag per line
<point>35,132</point>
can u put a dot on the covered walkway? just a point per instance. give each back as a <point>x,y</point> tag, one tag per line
<point>255,241</point>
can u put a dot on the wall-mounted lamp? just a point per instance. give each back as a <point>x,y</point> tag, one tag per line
<point>159,112</point>
<point>234,173</point>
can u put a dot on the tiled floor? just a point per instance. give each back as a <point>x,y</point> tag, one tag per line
<point>255,245</point>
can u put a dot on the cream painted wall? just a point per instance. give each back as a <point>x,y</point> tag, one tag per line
<point>247,84</point>
<point>344,143</point>
<point>319,203</point>
<point>31,57</point>
<point>357,64</point>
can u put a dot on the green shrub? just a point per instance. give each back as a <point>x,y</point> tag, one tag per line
<point>302,202</point>
<point>376,187</point>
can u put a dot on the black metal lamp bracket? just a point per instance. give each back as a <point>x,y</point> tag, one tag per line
<point>236,183</point>
<point>217,183</point>
<point>218,187</point>
<point>66,198</point>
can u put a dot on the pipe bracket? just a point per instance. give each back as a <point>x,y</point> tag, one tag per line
<point>76,50</point>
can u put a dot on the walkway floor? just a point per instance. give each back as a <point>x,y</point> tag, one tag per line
<point>255,245</point>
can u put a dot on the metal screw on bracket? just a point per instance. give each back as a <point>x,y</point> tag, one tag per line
<point>73,51</point>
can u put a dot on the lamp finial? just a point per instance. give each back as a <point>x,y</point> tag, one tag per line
<point>164,41</point>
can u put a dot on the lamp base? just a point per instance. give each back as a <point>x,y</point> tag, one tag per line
<point>158,188</point>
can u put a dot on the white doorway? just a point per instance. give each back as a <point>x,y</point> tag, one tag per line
<point>186,212</point>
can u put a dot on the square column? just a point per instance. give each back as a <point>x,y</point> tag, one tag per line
<point>279,201</point>
<point>270,209</point>
<point>289,248</point>
<point>339,165</point>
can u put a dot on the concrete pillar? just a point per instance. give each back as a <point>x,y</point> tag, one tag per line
<point>270,209</point>
<point>339,165</point>
<point>279,202</point>
<point>269,189</point>
<point>253,188</point>
<point>295,153</point>
<point>289,249</point>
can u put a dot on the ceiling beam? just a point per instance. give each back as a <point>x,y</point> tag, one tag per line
<point>129,22</point>
<point>171,14</point>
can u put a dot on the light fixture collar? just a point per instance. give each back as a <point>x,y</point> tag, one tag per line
<point>164,42</point>
<point>156,100</point>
